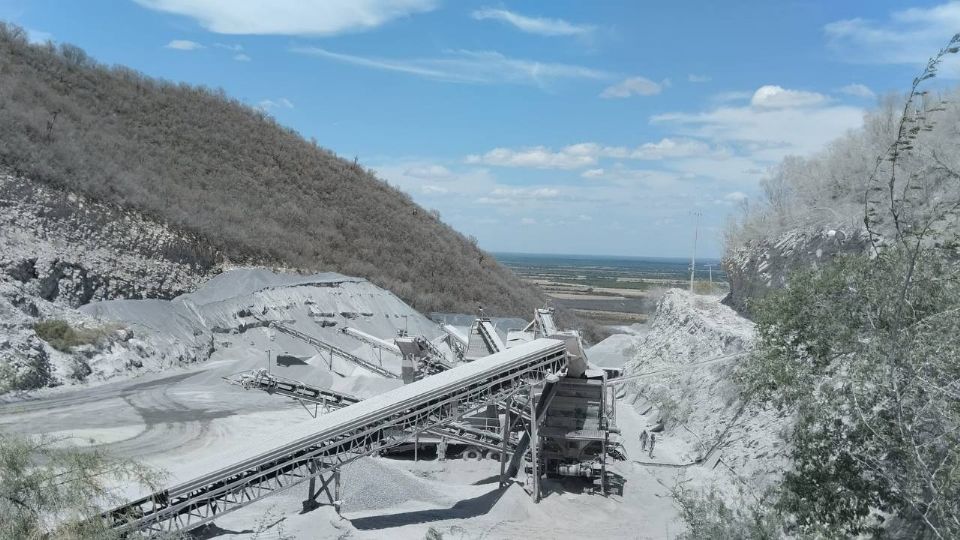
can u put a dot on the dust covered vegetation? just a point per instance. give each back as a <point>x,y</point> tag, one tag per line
<point>53,490</point>
<point>828,190</point>
<point>864,351</point>
<point>213,167</point>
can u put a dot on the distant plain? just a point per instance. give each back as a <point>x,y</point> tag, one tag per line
<point>611,290</point>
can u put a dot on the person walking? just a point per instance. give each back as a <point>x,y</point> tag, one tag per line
<point>653,441</point>
<point>643,440</point>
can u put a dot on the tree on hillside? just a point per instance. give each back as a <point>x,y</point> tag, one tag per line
<point>866,352</point>
<point>231,179</point>
<point>51,490</point>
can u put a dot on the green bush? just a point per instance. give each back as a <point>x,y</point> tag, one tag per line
<point>706,514</point>
<point>62,337</point>
<point>43,478</point>
<point>869,368</point>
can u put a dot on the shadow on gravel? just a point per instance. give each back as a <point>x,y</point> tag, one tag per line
<point>490,480</point>
<point>465,509</point>
<point>579,486</point>
<point>211,530</point>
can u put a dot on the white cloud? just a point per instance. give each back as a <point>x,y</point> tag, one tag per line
<point>743,171</point>
<point>581,155</point>
<point>533,25</point>
<point>538,157</point>
<point>183,45</point>
<point>428,171</point>
<point>777,97</point>
<point>664,182</point>
<point>236,47</point>
<point>736,95</point>
<point>478,67</point>
<point>858,90</point>
<point>736,196</point>
<point>241,57</point>
<point>475,201</point>
<point>517,196</point>
<point>777,123</point>
<point>528,221</point>
<point>694,78</point>
<point>732,199</point>
<point>38,36</point>
<point>270,104</point>
<point>430,189</point>
<point>431,179</point>
<point>670,148</point>
<point>633,86</point>
<point>908,36</point>
<point>526,193</point>
<point>290,17</point>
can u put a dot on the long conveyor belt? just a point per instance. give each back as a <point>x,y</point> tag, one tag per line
<point>343,436</point>
<point>462,432</point>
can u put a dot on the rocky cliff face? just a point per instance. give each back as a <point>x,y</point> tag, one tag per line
<point>65,249</point>
<point>59,252</point>
<point>685,380</point>
<point>760,266</point>
<point>89,292</point>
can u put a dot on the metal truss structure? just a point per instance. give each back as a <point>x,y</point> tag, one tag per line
<point>261,379</point>
<point>489,334</point>
<point>435,355</point>
<point>324,399</point>
<point>425,356</point>
<point>373,341</point>
<point>333,351</point>
<point>343,436</point>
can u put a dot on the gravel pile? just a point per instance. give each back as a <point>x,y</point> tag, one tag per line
<point>371,484</point>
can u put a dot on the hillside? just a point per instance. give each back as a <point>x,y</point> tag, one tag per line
<point>849,267</point>
<point>813,208</point>
<point>231,179</point>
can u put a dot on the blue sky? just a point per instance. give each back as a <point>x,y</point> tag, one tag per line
<point>555,127</point>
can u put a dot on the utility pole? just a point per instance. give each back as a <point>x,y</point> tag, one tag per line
<point>710,269</point>
<point>693,257</point>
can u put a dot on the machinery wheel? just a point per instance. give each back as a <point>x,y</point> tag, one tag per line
<point>472,452</point>
<point>494,455</point>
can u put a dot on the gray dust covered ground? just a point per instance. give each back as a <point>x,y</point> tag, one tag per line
<point>188,421</point>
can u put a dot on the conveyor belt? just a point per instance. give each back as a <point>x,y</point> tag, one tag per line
<point>329,400</point>
<point>366,364</point>
<point>490,336</point>
<point>371,340</point>
<point>545,323</point>
<point>260,379</point>
<point>436,354</point>
<point>343,436</point>
<point>455,334</point>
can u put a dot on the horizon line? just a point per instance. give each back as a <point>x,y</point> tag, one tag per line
<point>602,255</point>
